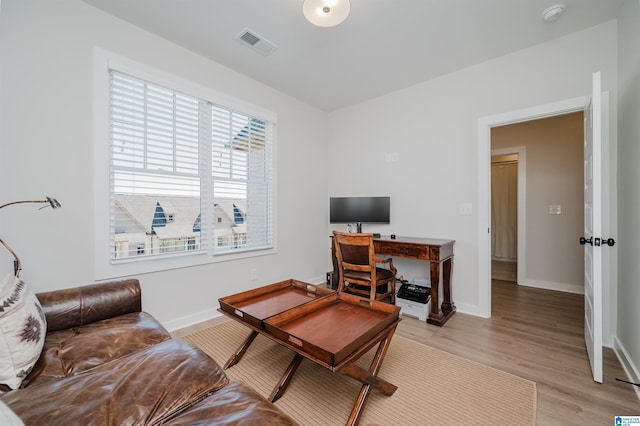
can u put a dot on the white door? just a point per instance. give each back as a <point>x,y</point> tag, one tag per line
<point>593,229</point>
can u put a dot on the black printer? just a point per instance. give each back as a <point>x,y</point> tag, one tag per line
<point>415,293</point>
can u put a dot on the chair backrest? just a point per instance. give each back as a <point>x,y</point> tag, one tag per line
<point>355,252</point>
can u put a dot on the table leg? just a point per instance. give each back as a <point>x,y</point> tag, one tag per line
<point>441,273</point>
<point>367,378</point>
<point>361,401</point>
<point>282,385</point>
<point>237,356</point>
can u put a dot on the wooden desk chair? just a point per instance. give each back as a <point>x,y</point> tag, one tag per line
<point>358,266</point>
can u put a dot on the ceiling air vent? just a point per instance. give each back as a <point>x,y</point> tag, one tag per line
<point>256,42</point>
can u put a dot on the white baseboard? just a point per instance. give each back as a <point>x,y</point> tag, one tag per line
<point>198,317</point>
<point>317,280</point>
<point>189,320</point>
<point>208,314</point>
<point>633,374</point>
<point>547,285</point>
<point>470,310</point>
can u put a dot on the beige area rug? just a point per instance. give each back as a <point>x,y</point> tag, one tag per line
<point>434,387</point>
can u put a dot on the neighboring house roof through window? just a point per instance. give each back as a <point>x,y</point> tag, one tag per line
<point>144,209</point>
<point>159,217</point>
<point>238,216</point>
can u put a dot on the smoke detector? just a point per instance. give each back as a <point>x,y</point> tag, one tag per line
<point>552,13</point>
<point>256,42</point>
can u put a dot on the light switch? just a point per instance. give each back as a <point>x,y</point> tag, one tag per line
<point>555,209</point>
<point>466,209</point>
<point>391,157</point>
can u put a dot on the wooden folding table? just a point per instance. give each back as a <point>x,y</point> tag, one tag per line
<point>329,328</point>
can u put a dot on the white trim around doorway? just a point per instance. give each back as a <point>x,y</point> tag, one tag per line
<point>484,183</point>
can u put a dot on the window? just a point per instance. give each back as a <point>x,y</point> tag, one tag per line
<point>187,175</point>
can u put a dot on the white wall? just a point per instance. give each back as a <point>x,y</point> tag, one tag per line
<point>628,340</point>
<point>46,149</point>
<point>433,128</point>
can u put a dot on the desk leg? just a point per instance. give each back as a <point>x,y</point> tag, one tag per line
<point>282,385</point>
<point>441,273</point>
<point>237,356</point>
<point>447,304</point>
<point>386,387</point>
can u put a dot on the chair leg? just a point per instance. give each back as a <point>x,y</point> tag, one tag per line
<point>393,291</point>
<point>340,282</point>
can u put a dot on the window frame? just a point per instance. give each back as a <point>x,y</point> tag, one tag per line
<point>104,268</point>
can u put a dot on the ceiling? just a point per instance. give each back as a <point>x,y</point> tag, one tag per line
<point>384,45</point>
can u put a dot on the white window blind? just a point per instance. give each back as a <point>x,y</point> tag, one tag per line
<point>187,176</point>
<point>241,169</point>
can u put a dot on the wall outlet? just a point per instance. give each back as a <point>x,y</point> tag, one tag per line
<point>253,275</point>
<point>555,209</point>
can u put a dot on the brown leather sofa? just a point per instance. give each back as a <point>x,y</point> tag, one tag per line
<point>105,362</point>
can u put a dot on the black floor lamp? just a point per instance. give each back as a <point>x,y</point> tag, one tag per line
<point>49,202</point>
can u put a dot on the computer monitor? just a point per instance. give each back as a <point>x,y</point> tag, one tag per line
<point>359,210</point>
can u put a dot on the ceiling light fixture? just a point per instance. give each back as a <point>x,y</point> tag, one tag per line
<point>552,13</point>
<point>326,13</point>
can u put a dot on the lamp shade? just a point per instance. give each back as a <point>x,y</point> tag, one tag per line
<point>326,13</point>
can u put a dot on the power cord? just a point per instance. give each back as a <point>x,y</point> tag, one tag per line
<point>631,383</point>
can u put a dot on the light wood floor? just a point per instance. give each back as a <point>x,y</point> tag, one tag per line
<point>505,271</point>
<point>538,335</point>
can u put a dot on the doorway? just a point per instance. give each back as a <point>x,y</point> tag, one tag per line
<point>554,210</point>
<point>485,126</point>
<point>504,216</point>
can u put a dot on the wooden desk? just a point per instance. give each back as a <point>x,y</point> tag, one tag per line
<point>439,254</point>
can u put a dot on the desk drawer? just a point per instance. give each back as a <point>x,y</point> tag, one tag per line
<point>413,251</point>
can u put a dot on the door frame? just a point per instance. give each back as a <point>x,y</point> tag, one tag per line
<point>484,183</point>
<point>521,151</point>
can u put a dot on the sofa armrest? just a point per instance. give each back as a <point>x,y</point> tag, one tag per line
<point>73,307</point>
